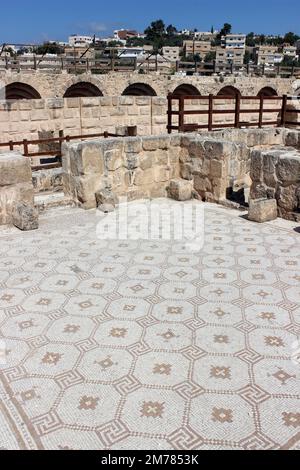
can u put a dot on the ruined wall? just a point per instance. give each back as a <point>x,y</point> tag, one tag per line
<point>143,166</point>
<point>133,167</point>
<point>276,175</point>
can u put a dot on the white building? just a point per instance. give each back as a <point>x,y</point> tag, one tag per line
<point>290,51</point>
<point>77,40</point>
<point>267,55</point>
<point>131,52</point>
<point>204,35</point>
<point>234,41</point>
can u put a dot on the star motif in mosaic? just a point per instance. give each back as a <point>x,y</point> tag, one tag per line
<point>125,344</point>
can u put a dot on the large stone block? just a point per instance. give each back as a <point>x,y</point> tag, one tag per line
<point>14,168</point>
<point>144,177</point>
<point>145,161</point>
<point>113,159</point>
<point>157,142</point>
<point>186,171</point>
<point>292,138</point>
<point>87,158</point>
<point>288,168</point>
<point>287,197</point>
<point>106,200</point>
<point>180,190</point>
<point>262,210</point>
<point>256,165</point>
<point>216,168</point>
<point>85,188</point>
<point>25,217</point>
<point>133,144</point>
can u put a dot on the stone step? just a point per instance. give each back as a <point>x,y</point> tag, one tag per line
<point>49,200</point>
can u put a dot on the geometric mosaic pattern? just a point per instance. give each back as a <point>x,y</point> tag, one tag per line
<point>141,345</point>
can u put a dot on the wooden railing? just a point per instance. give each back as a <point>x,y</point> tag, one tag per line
<point>236,111</point>
<point>147,64</point>
<point>57,153</point>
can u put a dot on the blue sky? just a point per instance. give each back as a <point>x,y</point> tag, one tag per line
<point>33,21</point>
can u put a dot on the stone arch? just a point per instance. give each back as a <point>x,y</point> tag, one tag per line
<point>229,91</point>
<point>21,91</point>
<point>82,90</point>
<point>139,89</point>
<point>185,89</point>
<point>267,91</point>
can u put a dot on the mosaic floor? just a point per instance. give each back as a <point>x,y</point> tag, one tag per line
<point>145,344</point>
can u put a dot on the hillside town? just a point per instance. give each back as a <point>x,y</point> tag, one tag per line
<point>222,47</point>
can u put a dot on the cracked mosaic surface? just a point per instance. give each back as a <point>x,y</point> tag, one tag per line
<point>139,344</point>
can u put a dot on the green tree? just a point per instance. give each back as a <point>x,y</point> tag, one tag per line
<point>49,48</point>
<point>291,38</point>
<point>171,30</point>
<point>226,29</point>
<point>135,42</point>
<point>248,57</point>
<point>223,32</point>
<point>155,30</point>
<point>250,41</point>
<point>155,34</point>
<point>210,56</point>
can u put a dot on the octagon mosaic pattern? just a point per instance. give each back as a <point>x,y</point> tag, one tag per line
<point>139,344</point>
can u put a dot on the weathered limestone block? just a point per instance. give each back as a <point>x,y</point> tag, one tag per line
<point>292,138</point>
<point>216,169</point>
<point>288,169</point>
<point>146,161</point>
<point>133,145</point>
<point>85,188</point>
<point>161,157</point>
<point>180,190</point>
<point>186,171</point>
<point>87,158</point>
<point>106,200</point>
<point>131,161</point>
<point>15,184</point>
<point>157,142</point>
<point>25,217</point>
<point>113,159</point>
<point>256,165</point>
<point>161,174</point>
<point>144,177</point>
<point>264,137</point>
<point>218,150</point>
<point>47,180</point>
<point>14,169</point>
<point>287,197</point>
<point>202,185</point>
<point>175,140</point>
<point>262,210</point>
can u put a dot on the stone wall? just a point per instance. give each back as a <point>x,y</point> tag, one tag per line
<point>133,167</point>
<point>275,174</point>
<point>31,119</point>
<point>144,166</point>
<point>37,119</point>
<point>51,85</point>
<point>15,184</point>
